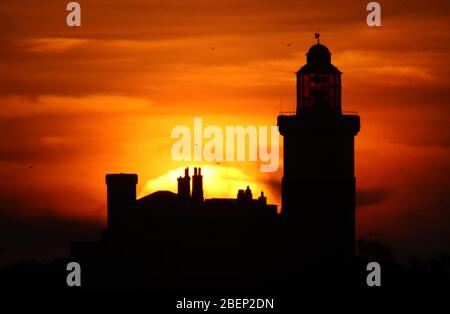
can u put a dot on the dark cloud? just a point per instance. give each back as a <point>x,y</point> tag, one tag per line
<point>41,238</point>
<point>171,19</point>
<point>366,197</point>
<point>422,230</point>
<point>274,185</point>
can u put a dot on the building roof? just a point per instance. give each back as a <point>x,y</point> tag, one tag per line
<point>160,195</point>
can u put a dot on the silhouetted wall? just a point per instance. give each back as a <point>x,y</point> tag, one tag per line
<point>121,198</point>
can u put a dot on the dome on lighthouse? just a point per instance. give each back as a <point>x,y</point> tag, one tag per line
<point>318,60</point>
<point>318,54</point>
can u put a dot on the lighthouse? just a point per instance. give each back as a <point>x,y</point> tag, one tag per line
<point>318,185</point>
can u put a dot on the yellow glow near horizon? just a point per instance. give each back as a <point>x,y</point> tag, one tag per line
<point>218,182</point>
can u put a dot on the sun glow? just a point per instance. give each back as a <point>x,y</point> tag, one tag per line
<point>218,182</point>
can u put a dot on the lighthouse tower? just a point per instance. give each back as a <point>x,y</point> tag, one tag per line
<point>318,185</point>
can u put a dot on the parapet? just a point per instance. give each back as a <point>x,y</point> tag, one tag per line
<point>121,178</point>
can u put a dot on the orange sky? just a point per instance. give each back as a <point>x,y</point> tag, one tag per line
<point>77,103</point>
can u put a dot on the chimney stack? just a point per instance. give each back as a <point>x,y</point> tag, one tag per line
<point>184,185</point>
<point>197,185</point>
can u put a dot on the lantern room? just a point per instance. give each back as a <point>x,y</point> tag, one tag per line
<point>318,83</point>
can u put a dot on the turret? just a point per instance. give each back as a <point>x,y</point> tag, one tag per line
<point>121,198</point>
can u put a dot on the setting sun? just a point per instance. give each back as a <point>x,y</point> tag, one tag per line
<point>218,182</point>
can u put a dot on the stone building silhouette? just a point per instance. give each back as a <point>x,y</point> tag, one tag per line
<point>182,233</point>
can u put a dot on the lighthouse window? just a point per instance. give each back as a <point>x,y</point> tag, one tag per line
<point>319,79</point>
<point>318,92</point>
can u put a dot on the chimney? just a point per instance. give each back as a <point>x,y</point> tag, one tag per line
<point>262,199</point>
<point>184,185</point>
<point>248,194</point>
<point>197,185</point>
